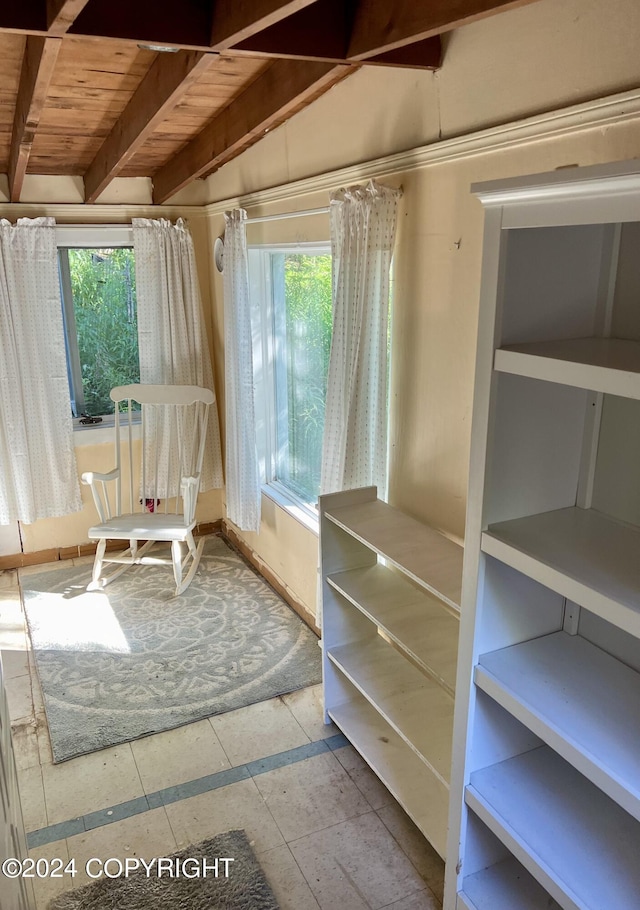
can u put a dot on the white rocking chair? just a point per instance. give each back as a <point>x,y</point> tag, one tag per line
<point>162,508</point>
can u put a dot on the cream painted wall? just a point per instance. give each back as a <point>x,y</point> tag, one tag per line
<point>538,58</point>
<point>289,550</point>
<point>71,530</point>
<point>126,191</point>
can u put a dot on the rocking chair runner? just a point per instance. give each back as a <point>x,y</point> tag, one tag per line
<point>160,504</point>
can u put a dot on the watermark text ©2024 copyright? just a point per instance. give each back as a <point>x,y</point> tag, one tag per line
<point>159,867</point>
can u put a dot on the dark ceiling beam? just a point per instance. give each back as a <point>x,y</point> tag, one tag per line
<point>318,32</point>
<point>321,32</point>
<point>285,87</point>
<point>380,26</point>
<point>61,14</point>
<point>235,21</point>
<point>38,62</point>
<point>176,23</point>
<point>19,16</point>
<point>165,84</point>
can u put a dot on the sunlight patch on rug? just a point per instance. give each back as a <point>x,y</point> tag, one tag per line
<point>77,620</point>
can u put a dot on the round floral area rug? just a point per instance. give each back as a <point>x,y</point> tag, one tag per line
<point>134,659</point>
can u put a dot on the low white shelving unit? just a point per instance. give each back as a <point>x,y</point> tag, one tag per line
<point>545,794</point>
<point>390,619</point>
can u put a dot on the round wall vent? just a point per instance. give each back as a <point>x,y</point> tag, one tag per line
<point>218,253</point>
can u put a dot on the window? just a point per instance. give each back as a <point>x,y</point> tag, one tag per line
<point>98,290</point>
<point>292,316</point>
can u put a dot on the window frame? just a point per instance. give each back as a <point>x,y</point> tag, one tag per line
<point>267,329</point>
<point>89,236</point>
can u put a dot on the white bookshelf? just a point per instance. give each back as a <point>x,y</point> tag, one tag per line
<point>390,620</point>
<point>423,554</point>
<point>545,788</point>
<point>580,553</point>
<point>578,699</point>
<point>403,697</point>
<point>567,848</point>
<point>424,797</point>
<point>413,619</point>
<point>503,887</point>
<point>609,365</point>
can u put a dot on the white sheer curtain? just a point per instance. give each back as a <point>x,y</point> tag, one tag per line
<point>172,339</point>
<point>243,481</point>
<point>363,226</point>
<point>38,478</point>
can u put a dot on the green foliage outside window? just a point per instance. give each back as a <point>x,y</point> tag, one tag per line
<point>308,325</point>
<point>103,284</point>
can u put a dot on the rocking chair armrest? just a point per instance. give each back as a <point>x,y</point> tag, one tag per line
<point>99,493</point>
<point>90,477</point>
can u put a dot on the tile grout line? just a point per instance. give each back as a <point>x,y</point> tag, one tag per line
<point>178,792</point>
<point>174,833</point>
<point>298,866</point>
<point>427,884</point>
<point>135,764</point>
<point>260,769</point>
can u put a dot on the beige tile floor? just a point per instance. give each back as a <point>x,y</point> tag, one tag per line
<point>327,833</point>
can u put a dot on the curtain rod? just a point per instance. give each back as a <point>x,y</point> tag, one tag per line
<point>301,214</point>
<point>111,226</point>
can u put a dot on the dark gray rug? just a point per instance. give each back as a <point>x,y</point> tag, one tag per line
<point>246,887</point>
<point>134,659</point>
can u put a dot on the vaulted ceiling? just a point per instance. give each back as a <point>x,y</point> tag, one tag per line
<point>84,89</point>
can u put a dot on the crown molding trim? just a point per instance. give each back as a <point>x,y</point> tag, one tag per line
<point>600,113</point>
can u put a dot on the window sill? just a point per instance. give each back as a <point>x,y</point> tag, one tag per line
<point>292,507</point>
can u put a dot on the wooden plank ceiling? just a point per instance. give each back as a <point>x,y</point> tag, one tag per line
<point>84,89</point>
